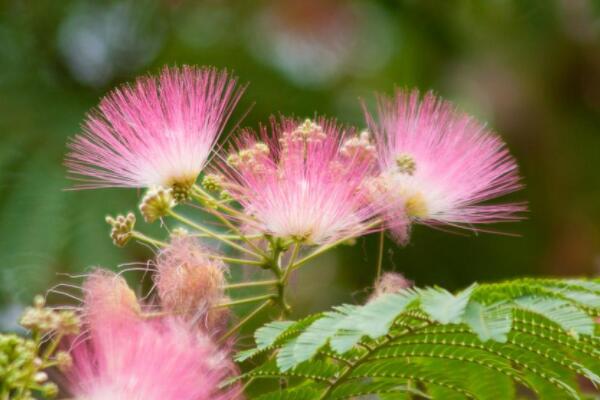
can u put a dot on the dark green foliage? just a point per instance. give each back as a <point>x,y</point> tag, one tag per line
<point>489,341</point>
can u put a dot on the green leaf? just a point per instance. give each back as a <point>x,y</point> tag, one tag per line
<point>492,322</point>
<point>443,306</point>
<point>569,317</point>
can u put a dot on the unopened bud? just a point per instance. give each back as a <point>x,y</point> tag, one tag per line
<point>390,282</point>
<point>64,361</point>
<point>49,390</point>
<point>213,182</point>
<point>40,377</point>
<point>188,280</point>
<point>359,147</point>
<point>107,295</point>
<point>406,164</point>
<point>156,203</point>
<point>122,228</point>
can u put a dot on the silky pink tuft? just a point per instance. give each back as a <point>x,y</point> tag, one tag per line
<point>438,165</point>
<point>157,132</point>
<point>124,355</point>
<point>305,182</point>
<point>190,282</point>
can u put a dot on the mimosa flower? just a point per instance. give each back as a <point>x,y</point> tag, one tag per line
<point>157,132</point>
<point>122,357</point>
<point>190,282</point>
<point>438,165</point>
<point>305,183</point>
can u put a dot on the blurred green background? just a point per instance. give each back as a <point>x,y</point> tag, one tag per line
<point>529,68</point>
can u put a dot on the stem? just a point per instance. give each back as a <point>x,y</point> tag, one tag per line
<point>251,284</point>
<point>51,347</point>
<point>224,220</point>
<point>245,320</point>
<point>143,238</point>
<point>212,234</point>
<point>380,254</point>
<point>200,193</point>
<point>245,301</point>
<point>240,261</point>
<point>290,265</point>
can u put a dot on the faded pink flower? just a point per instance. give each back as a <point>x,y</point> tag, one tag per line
<point>305,182</point>
<point>125,358</point>
<point>438,165</point>
<point>189,282</point>
<point>157,132</point>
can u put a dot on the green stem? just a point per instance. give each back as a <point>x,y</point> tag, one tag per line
<point>240,261</point>
<point>202,194</point>
<point>251,284</point>
<point>143,238</point>
<point>245,301</point>
<point>214,235</point>
<point>245,320</point>
<point>380,255</point>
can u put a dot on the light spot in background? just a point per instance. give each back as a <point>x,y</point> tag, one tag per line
<point>316,42</point>
<point>9,317</point>
<point>99,42</point>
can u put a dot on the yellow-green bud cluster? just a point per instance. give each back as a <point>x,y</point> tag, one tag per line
<point>359,147</point>
<point>41,319</point>
<point>122,228</point>
<point>156,203</point>
<point>21,370</point>
<point>406,164</point>
<point>250,157</point>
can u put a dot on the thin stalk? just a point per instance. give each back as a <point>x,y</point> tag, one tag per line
<point>212,234</point>
<point>326,247</point>
<point>245,301</point>
<point>290,265</point>
<point>245,320</point>
<point>380,255</point>
<point>143,238</point>
<point>240,261</point>
<point>251,284</point>
<point>200,193</point>
<point>229,236</point>
<point>51,347</point>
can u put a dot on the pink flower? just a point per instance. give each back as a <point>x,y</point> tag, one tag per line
<point>305,183</point>
<point>190,282</point>
<point>156,132</point>
<point>438,165</point>
<point>125,358</point>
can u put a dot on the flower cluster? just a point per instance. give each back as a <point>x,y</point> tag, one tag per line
<point>129,351</point>
<point>279,197</point>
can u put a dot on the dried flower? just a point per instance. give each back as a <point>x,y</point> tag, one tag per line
<point>156,132</point>
<point>189,282</point>
<point>438,165</point>
<point>303,183</point>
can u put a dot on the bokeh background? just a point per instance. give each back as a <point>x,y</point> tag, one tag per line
<point>529,68</point>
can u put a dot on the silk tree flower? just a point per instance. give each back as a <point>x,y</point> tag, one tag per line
<point>157,132</point>
<point>305,182</point>
<point>190,281</point>
<point>131,358</point>
<point>438,165</point>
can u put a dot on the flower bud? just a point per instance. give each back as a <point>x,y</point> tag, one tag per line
<point>156,203</point>
<point>188,280</point>
<point>122,228</point>
<point>107,295</point>
<point>390,282</point>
